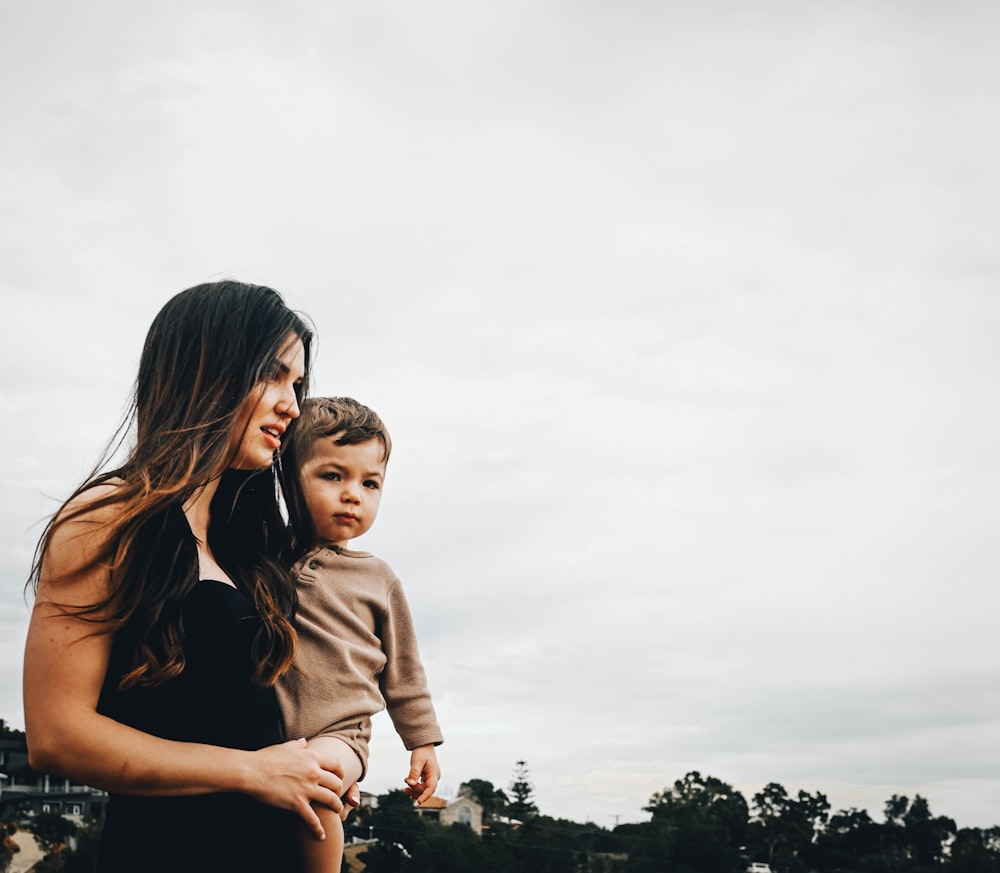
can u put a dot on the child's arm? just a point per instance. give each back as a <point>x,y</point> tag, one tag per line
<point>424,773</point>
<point>408,699</point>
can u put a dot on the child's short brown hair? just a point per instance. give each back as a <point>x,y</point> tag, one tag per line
<point>327,416</point>
<point>321,417</point>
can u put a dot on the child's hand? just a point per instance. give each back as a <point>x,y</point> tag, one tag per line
<point>424,773</point>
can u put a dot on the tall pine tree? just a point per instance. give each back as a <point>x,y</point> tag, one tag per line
<point>521,806</point>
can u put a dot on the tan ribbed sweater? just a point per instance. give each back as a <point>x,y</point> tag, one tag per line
<point>357,655</point>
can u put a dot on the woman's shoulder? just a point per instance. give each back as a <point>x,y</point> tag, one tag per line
<point>94,500</point>
<point>92,508</point>
<point>80,531</point>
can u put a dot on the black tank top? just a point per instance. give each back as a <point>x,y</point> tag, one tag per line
<point>215,700</point>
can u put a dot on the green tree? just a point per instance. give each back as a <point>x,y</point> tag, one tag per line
<point>975,850</point>
<point>83,857</point>
<point>493,800</point>
<point>551,845</point>
<point>457,849</point>
<point>784,828</point>
<point>8,848</point>
<point>522,807</point>
<point>699,824</point>
<point>851,841</point>
<point>395,821</point>
<point>916,840</point>
<point>388,858</point>
<point>51,831</point>
<point>647,845</point>
<point>9,733</point>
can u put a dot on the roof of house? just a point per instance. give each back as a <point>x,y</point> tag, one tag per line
<point>434,803</point>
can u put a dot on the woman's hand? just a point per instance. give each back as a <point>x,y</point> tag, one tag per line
<point>352,800</point>
<point>289,776</point>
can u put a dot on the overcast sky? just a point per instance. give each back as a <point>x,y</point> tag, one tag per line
<point>683,317</point>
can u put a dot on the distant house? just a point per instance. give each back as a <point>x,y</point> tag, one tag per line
<point>21,788</point>
<point>462,810</point>
<point>368,800</point>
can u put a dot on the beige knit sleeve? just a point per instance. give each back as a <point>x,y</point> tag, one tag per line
<point>403,681</point>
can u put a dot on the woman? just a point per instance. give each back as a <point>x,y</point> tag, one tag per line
<point>163,606</point>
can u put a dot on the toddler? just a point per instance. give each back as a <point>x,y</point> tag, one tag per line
<point>357,650</point>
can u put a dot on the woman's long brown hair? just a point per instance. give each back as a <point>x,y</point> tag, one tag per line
<point>206,351</point>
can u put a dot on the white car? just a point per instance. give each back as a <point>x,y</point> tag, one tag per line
<point>759,867</point>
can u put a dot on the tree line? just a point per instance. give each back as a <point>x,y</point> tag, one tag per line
<point>698,825</point>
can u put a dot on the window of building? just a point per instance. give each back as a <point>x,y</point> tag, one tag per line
<point>465,815</point>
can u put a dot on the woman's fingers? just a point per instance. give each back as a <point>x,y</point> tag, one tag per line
<point>290,776</point>
<point>308,815</point>
<point>351,800</point>
<point>332,782</point>
<point>353,795</point>
<point>328,798</point>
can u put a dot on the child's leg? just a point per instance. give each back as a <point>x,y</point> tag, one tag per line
<point>326,856</point>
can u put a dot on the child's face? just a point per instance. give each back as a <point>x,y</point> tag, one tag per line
<point>342,487</point>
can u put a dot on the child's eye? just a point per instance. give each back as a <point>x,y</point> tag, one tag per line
<point>331,476</point>
<point>371,483</point>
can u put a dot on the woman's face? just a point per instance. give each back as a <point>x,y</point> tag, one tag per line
<point>268,409</point>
